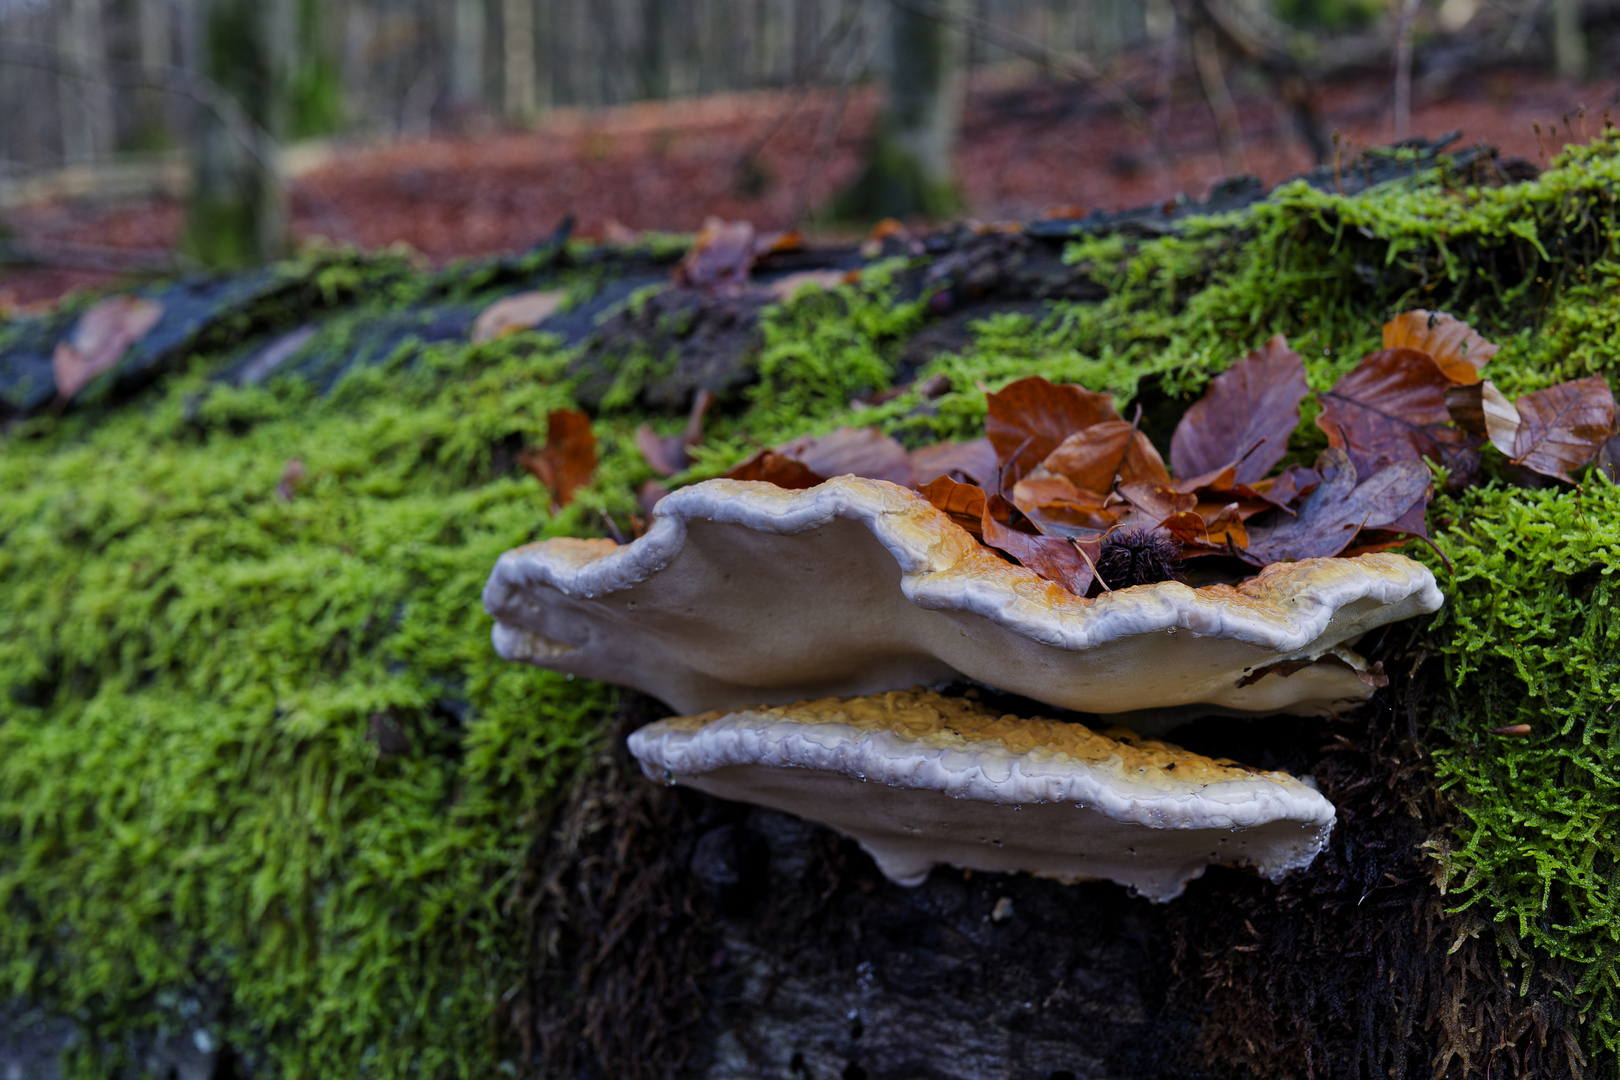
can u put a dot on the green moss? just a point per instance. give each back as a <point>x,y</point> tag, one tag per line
<point>189,666</point>
<point>1531,635</point>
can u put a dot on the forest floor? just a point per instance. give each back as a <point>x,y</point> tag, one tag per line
<point>773,158</point>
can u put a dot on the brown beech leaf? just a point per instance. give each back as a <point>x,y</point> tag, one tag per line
<point>1091,459</point>
<point>1200,535</point>
<point>1563,427</point>
<point>1150,504</point>
<point>1053,558</point>
<point>778,469</point>
<point>1043,488</point>
<point>1222,479</point>
<point>1247,413</point>
<point>1074,521</point>
<point>1058,508</point>
<point>1224,527</point>
<point>1608,460</point>
<point>1479,408</point>
<point>777,242</point>
<point>856,451</point>
<point>973,462</point>
<point>647,498</point>
<point>720,257</point>
<point>1391,408</point>
<point>1026,420</point>
<point>292,478</point>
<point>568,460</point>
<point>1288,488</point>
<point>667,454</point>
<point>1329,519</point>
<point>787,286</point>
<point>99,340</point>
<point>1457,349</point>
<point>963,503</point>
<point>522,311</point>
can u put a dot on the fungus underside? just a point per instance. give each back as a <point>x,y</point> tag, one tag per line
<point>189,665</point>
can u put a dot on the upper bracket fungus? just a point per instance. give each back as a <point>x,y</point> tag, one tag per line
<point>744,593</point>
<point>921,779</point>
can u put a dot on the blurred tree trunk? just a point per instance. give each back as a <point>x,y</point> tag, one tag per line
<point>238,214</point>
<point>654,50</point>
<point>1569,41</point>
<point>84,98</point>
<point>152,40</point>
<point>909,170</point>
<point>517,52</point>
<point>467,52</point>
<point>314,84</point>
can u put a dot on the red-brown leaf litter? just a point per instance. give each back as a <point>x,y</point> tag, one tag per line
<point>768,158</point>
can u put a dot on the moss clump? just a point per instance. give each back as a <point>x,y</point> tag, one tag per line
<point>190,664</point>
<point>1531,635</point>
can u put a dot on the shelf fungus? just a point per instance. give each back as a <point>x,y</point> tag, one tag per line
<point>744,593</point>
<point>920,779</point>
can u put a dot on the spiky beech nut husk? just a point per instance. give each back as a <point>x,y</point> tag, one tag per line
<point>1139,557</point>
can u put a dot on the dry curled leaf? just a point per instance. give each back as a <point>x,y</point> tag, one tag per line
<point>973,462</point>
<point>1026,420</point>
<point>1094,458</point>
<point>788,285</point>
<point>1152,503</point>
<point>777,242</point>
<point>1330,518</point>
<point>99,340</point>
<point>989,518</point>
<point>522,311</point>
<point>1058,508</point>
<point>667,454</point>
<point>1391,408</point>
<point>963,503</point>
<point>1209,531</point>
<point>648,496</point>
<point>1479,408</point>
<point>1054,558</point>
<point>292,478</point>
<point>1244,418</point>
<point>853,451</point>
<point>720,257</point>
<point>778,469</point>
<point>568,460</point>
<point>1608,460</point>
<point>1564,427</point>
<point>1288,487</point>
<point>1456,348</point>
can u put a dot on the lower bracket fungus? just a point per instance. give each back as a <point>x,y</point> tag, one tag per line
<point>744,593</point>
<point>920,779</point>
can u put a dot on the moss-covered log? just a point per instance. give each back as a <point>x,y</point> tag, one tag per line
<point>266,792</point>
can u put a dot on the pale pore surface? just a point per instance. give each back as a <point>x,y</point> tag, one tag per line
<point>920,779</point>
<point>743,593</point>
